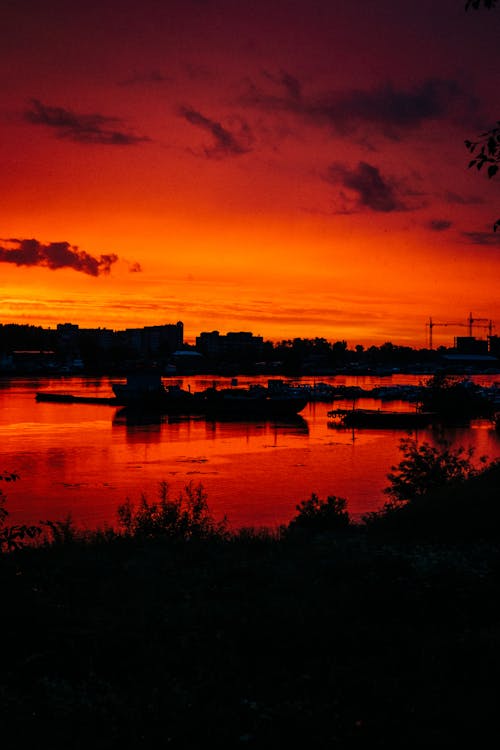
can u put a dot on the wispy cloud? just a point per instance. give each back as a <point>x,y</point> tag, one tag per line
<point>482,238</point>
<point>145,78</point>
<point>225,143</point>
<point>463,200</point>
<point>371,190</point>
<point>439,225</point>
<point>386,109</point>
<point>55,255</point>
<point>291,84</point>
<point>82,128</point>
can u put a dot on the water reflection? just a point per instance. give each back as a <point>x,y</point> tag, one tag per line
<point>151,426</point>
<point>85,459</point>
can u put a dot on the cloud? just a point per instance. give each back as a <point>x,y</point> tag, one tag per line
<point>290,83</point>
<point>135,268</point>
<point>371,189</point>
<point>386,109</point>
<point>225,142</point>
<point>147,77</point>
<point>55,255</point>
<point>82,128</point>
<point>439,225</point>
<point>482,238</point>
<point>462,200</point>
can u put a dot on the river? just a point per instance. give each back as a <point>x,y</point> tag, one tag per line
<point>83,460</point>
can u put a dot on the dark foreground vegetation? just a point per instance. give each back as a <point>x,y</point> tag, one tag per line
<point>170,631</point>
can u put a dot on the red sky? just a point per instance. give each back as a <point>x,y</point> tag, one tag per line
<point>289,167</point>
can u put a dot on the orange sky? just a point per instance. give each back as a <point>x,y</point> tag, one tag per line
<point>291,168</point>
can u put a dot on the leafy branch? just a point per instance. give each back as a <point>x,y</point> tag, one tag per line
<point>486,150</point>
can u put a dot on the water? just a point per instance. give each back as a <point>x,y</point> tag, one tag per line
<point>84,460</point>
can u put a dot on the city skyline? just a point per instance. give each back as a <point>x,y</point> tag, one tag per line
<point>482,330</point>
<point>276,167</point>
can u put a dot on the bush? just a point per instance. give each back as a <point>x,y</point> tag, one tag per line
<point>185,517</point>
<point>13,537</point>
<point>455,398</point>
<point>426,467</point>
<point>320,515</point>
<point>437,492</point>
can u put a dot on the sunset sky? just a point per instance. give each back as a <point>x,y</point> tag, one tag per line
<point>286,167</point>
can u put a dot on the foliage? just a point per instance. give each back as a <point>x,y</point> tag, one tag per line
<point>438,495</point>
<point>184,517</point>
<point>486,151</point>
<point>486,148</point>
<point>62,532</point>
<point>426,467</point>
<point>13,537</point>
<point>455,397</point>
<point>489,151</point>
<point>321,515</point>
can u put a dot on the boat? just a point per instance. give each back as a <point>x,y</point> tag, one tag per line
<point>380,418</point>
<point>256,402</point>
<point>145,390</point>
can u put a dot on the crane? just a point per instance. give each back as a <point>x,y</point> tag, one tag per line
<point>431,324</point>
<point>488,324</point>
<point>471,321</point>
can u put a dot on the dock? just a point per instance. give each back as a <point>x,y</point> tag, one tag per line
<point>381,418</point>
<point>68,398</point>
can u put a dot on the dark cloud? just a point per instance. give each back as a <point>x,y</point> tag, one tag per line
<point>482,238</point>
<point>439,225</point>
<point>290,83</point>
<point>371,189</point>
<point>55,255</point>
<point>135,268</point>
<point>462,200</point>
<point>148,77</point>
<point>225,143</point>
<point>387,109</point>
<point>93,128</point>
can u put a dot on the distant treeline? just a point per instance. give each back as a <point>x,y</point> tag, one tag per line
<point>28,347</point>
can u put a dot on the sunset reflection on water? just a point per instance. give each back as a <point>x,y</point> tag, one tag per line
<point>86,459</point>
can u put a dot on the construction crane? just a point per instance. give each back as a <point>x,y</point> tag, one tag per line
<point>487,324</point>
<point>431,324</point>
<point>471,321</point>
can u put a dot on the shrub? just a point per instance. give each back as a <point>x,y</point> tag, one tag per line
<point>455,398</point>
<point>184,517</point>
<point>426,467</point>
<point>13,537</point>
<point>321,515</point>
<point>437,492</point>
<point>62,532</point>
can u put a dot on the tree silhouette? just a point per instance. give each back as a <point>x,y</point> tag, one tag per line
<point>486,148</point>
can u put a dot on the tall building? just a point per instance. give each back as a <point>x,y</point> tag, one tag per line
<point>152,341</point>
<point>235,344</point>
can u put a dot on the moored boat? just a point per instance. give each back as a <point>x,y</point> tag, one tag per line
<point>146,390</point>
<point>255,402</point>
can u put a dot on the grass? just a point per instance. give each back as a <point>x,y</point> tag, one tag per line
<point>353,636</point>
